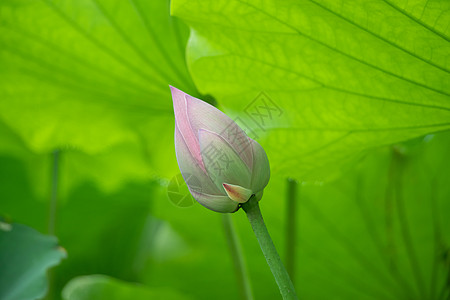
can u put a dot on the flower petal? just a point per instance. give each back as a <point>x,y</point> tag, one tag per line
<point>182,122</point>
<point>223,164</point>
<point>221,204</point>
<point>261,168</point>
<point>237,193</point>
<point>194,176</point>
<point>205,116</point>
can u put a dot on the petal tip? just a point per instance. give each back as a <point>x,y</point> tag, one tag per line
<point>237,193</point>
<point>175,91</point>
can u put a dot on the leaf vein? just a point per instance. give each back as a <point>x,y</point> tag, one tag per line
<point>380,37</point>
<point>344,53</point>
<point>95,42</point>
<point>403,12</point>
<point>339,89</point>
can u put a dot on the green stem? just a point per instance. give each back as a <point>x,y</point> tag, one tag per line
<point>291,226</point>
<point>237,256</point>
<point>251,207</point>
<point>54,193</point>
<point>53,203</point>
<point>398,165</point>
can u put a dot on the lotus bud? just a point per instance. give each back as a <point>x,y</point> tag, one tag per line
<point>220,164</point>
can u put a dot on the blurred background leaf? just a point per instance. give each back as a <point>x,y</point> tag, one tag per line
<point>113,234</point>
<point>25,256</point>
<point>384,225</point>
<point>94,76</point>
<point>104,288</point>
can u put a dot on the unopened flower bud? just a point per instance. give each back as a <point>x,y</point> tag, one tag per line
<point>227,166</point>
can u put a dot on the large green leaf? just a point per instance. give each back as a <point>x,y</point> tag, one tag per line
<point>99,287</point>
<point>91,75</point>
<point>25,256</point>
<point>345,76</point>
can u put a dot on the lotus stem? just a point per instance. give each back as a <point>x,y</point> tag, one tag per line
<point>251,207</point>
<point>242,277</point>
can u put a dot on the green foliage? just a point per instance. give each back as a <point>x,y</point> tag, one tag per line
<point>25,256</point>
<point>104,288</point>
<point>347,77</point>
<point>79,75</point>
<point>359,90</point>
<point>384,225</point>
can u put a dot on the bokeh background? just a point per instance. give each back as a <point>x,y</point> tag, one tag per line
<point>350,99</point>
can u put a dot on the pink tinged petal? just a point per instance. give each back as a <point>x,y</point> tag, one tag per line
<point>221,204</point>
<point>222,162</point>
<point>205,116</point>
<point>261,168</point>
<point>183,124</point>
<point>190,167</point>
<point>237,193</point>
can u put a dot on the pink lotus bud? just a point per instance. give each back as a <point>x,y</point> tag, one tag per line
<point>221,165</point>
